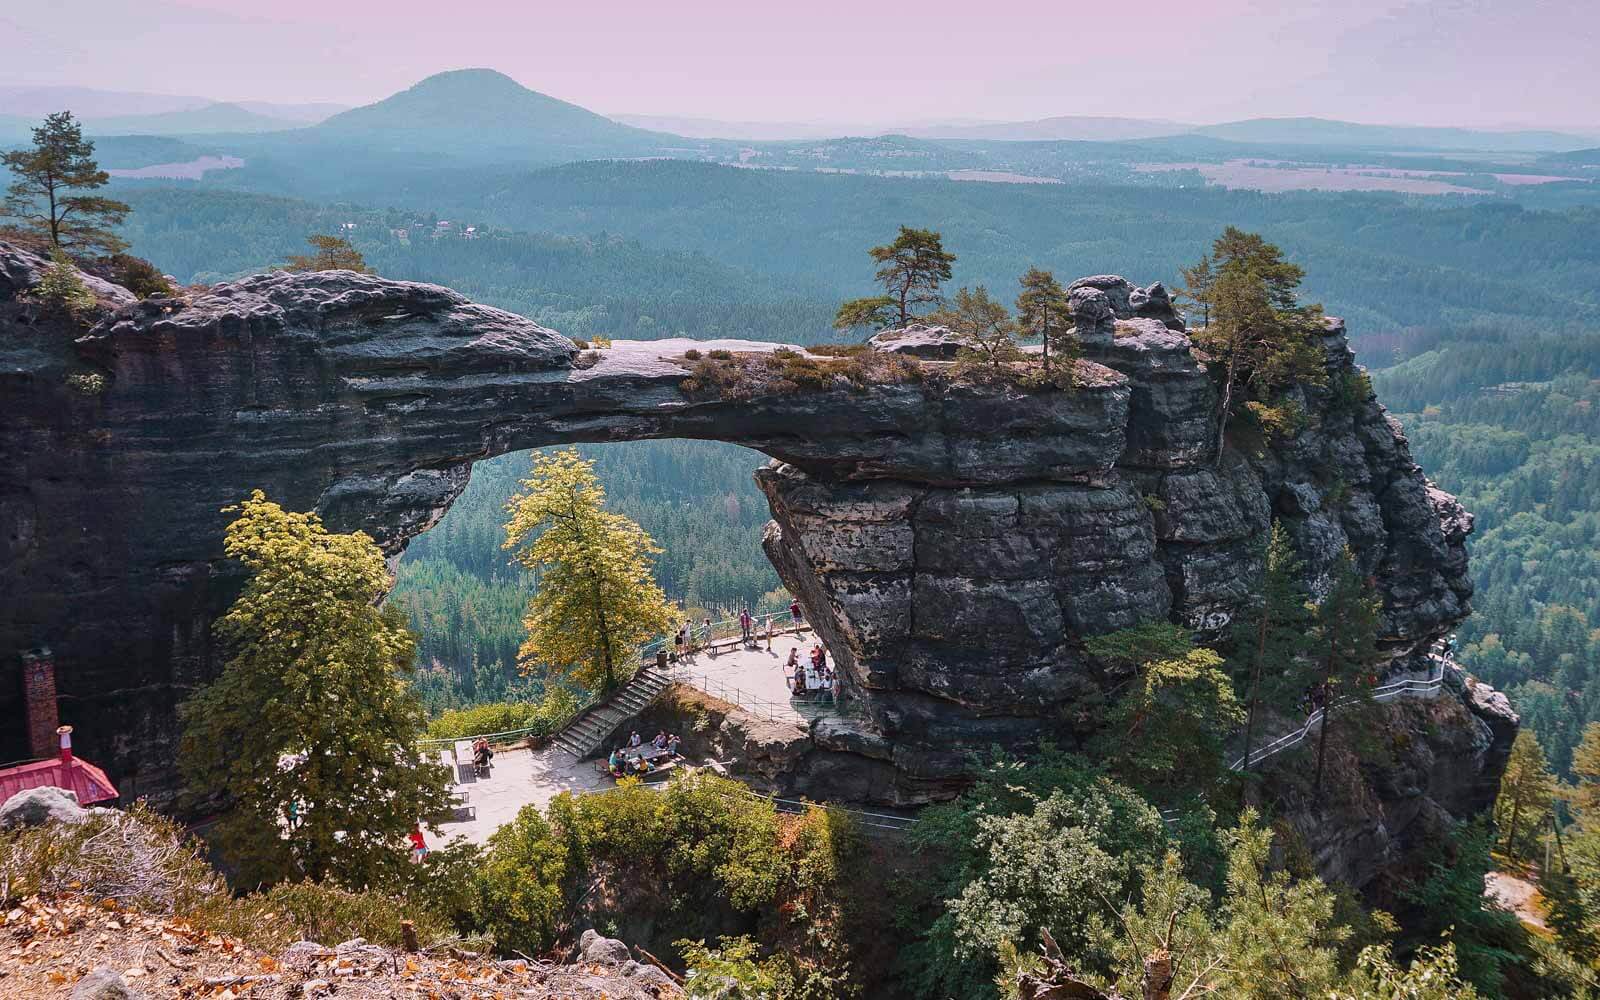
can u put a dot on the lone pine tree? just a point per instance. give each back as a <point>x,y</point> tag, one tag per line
<point>59,163</point>
<point>911,269</point>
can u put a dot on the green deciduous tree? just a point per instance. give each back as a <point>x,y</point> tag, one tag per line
<point>60,162</point>
<point>1042,312</point>
<point>333,253</point>
<point>1271,634</point>
<point>597,601</point>
<point>1527,796</point>
<point>310,732</point>
<point>523,882</point>
<point>1256,328</point>
<point>910,269</point>
<point>1344,648</point>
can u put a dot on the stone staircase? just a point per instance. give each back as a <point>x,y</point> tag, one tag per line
<point>584,734</point>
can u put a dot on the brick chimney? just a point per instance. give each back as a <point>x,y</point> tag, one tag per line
<point>39,694</point>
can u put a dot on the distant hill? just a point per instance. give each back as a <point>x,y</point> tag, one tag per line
<point>89,102</point>
<point>213,118</point>
<point>1327,132</point>
<point>472,113</point>
<point>1092,128</point>
<point>1573,158</point>
<point>307,114</point>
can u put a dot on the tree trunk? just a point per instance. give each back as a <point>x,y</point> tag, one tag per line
<point>1516,813</point>
<point>1227,402</point>
<point>1322,739</point>
<point>1158,975</point>
<point>1047,343</point>
<point>1255,693</point>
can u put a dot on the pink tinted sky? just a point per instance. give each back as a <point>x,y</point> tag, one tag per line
<point>1469,62</point>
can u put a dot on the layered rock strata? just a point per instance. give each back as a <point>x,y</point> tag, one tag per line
<point>953,542</point>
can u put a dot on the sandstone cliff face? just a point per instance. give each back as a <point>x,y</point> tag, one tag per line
<point>953,543</point>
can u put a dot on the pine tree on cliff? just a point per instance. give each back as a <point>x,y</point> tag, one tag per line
<point>1344,647</point>
<point>61,162</point>
<point>310,734</point>
<point>1257,331</point>
<point>911,269</point>
<point>334,253</point>
<point>1042,311</point>
<point>1527,793</point>
<point>1271,634</point>
<point>597,601</point>
<point>986,325</point>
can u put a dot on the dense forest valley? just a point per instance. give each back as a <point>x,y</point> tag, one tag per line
<point>1052,873</point>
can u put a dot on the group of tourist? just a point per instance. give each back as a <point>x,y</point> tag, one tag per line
<point>815,676</point>
<point>629,759</point>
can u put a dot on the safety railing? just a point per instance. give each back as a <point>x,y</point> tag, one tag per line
<point>1403,687</point>
<point>733,695</point>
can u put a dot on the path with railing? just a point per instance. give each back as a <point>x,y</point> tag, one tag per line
<point>753,679</point>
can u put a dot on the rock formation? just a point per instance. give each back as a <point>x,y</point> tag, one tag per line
<point>953,542</point>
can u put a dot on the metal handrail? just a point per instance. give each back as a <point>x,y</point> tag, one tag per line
<point>1382,693</point>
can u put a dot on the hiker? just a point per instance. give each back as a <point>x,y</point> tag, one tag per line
<point>834,685</point>
<point>660,742</point>
<point>705,637</point>
<point>673,743</point>
<point>616,763</point>
<point>797,615</point>
<point>419,845</point>
<point>482,753</point>
<point>770,630</point>
<point>677,642</point>
<point>634,740</point>
<point>745,623</point>
<point>791,666</point>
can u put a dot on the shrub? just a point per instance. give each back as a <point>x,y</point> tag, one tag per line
<point>692,354</point>
<point>840,350</point>
<point>582,345</point>
<point>721,355</point>
<point>137,275</point>
<point>543,717</point>
<point>321,912</point>
<point>138,858</point>
<point>87,383</point>
<point>599,341</point>
<point>61,288</point>
<point>588,359</point>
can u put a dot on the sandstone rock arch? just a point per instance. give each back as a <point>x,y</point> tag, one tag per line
<point>953,543</point>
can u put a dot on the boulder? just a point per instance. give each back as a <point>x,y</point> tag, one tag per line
<point>601,950</point>
<point>931,343</point>
<point>41,806</point>
<point>104,984</point>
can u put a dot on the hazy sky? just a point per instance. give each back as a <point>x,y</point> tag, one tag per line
<point>1477,62</point>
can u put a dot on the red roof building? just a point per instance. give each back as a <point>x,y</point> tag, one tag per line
<point>79,776</point>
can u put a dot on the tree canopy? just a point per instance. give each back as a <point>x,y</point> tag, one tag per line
<point>333,253</point>
<point>597,601</point>
<point>59,163</point>
<point>910,269</point>
<point>310,733</point>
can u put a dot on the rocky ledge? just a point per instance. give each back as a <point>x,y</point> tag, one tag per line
<point>953,541</point>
